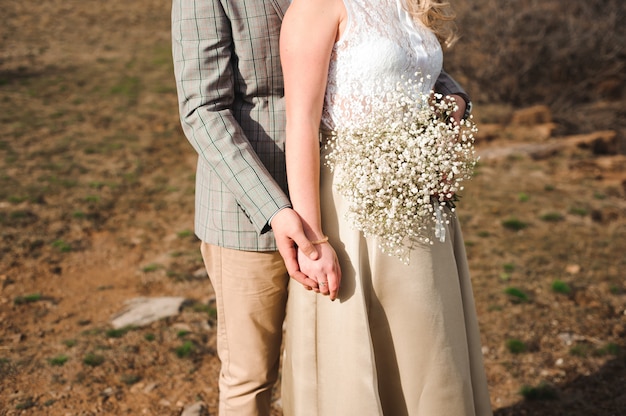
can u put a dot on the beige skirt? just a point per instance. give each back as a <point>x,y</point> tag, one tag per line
<point>399,340</point>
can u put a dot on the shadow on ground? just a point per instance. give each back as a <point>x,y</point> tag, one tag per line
<point>599,394</point>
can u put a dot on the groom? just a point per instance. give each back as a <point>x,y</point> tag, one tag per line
<point>230,92</point>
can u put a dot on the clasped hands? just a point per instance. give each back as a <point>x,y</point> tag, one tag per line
<point>315,266</point>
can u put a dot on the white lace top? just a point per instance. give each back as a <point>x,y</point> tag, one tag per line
<point>381,44</point>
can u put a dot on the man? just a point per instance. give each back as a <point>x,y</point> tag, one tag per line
<point>230,90</point>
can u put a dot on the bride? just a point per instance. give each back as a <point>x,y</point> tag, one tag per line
<point>391,337</point>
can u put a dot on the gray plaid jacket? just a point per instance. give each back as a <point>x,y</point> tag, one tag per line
<point>230,93</point>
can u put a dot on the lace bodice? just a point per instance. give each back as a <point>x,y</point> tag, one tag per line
<point>380,45</point>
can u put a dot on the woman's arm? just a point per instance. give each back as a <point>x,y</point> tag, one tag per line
<point>309,31</point>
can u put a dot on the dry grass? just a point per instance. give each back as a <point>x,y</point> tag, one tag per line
<point>96,204</point>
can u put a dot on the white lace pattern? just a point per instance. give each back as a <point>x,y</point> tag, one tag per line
<point>381,44</point>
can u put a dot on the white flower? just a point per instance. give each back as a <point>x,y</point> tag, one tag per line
<point>399,167</point>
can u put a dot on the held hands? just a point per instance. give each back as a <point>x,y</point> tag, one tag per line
<point>316,267</point>
<point>325,270</point>
<point>292,242</point>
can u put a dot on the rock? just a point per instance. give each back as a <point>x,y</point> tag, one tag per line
<point>107,392</point>
<point>148,389</point>
<point>569,338</point>
<point>538,114</point>
<point>196,409</point>
<point>143,311</point>
<point>572,268</point>
<point>201,274</point>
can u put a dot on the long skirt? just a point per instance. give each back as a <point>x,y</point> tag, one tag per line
<point>401,339</point>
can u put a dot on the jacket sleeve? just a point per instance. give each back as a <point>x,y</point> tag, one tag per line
<point>204,65</point>
<point>446,85</point>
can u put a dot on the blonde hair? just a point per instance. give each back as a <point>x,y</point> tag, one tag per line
<point>436,15</point>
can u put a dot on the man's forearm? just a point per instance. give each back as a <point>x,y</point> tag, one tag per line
<point>446,85</point>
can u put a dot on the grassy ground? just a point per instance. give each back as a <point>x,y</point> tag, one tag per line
<point>96,207</point>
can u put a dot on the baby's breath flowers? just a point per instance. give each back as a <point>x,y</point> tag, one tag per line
<point>400,167</point>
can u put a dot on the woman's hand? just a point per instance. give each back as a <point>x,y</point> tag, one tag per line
<point>325,270</point>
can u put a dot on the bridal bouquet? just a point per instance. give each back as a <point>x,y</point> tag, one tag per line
<point>400,167</point>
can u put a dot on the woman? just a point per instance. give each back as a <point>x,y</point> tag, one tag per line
<point>396,339</point>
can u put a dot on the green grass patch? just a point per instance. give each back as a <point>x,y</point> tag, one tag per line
<point>581,350</point>
<point>103,148</point>
<point>69,343</point>
<point>552,217</point>
<point>523,197</point>
<point>515,346</point>
<point>516,295</point>
<point>514,224</point>
<point>559,286</point>
<point>185,350</point>
<point>30,298</point>
<point>543,391</point>
<point>58,361</point>
<point>579,211</point>
<point>96,184</point>
<point>128,87</point>
<point>62,246</point>
<point>92,332</point>
<point>59,182</point>
<point>149,337</point>
<point>616,290</point>
<point>14,199</point>
<point>205,308</point>
<point>185,233</point>
<point>118,332</point>
<point>26,404</point>
<point>130,379</point>
<point>91,199</point>
<point>93,360</point>
<point>608,349</point>
<point>152,267</point>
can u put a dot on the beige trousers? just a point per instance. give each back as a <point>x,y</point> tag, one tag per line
<point>251,293</point>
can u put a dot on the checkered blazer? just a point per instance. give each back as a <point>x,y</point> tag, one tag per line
<point>230,92</point>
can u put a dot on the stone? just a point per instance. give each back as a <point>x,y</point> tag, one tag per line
<point>538,114</point>
<point>196,409</point>
<point>143,311</point>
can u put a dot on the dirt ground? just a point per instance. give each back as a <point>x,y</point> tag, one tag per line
<point>96,208</point>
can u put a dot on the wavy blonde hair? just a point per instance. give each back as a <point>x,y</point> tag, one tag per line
<point>436,15</point>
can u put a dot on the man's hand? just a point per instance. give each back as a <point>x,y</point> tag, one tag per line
<point>290,239</point>
<point>461,104</point>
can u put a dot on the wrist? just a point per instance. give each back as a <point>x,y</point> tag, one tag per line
<point>468,110</point>
<point>269,221</point>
